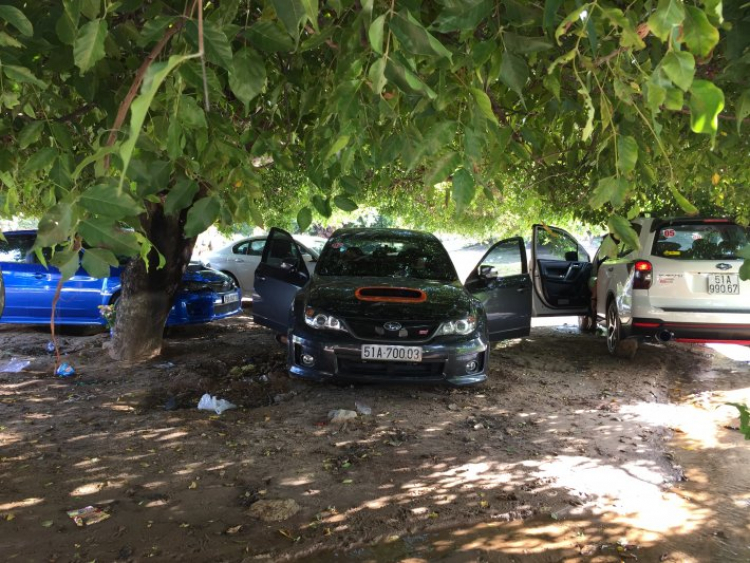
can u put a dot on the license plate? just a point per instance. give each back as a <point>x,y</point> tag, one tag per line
<point>231,298</point>
<point>383,352</point>
<point>724,284</point>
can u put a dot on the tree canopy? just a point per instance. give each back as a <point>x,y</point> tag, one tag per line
<point>114,112</point>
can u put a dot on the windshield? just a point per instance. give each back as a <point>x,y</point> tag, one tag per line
<point>386,253</point>
<point>700,241</point>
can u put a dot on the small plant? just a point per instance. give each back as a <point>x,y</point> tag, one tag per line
<point>744,418</point>
<point>108,314</point>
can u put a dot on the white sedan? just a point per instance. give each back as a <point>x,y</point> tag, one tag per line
<point>240,259</point>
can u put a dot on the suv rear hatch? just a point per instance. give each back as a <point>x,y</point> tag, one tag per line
<point>696,267</point>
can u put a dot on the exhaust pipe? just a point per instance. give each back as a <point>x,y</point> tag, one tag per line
<point>664,336</point>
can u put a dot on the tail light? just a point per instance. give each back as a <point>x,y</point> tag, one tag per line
<point>644,274</point>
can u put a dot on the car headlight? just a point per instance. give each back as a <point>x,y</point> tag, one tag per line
<point>319,320</point>
<point>462,327</point>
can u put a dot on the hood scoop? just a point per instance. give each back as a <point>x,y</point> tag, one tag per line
<point>391,294</point>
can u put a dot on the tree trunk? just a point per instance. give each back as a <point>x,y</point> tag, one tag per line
<point>148,293</point>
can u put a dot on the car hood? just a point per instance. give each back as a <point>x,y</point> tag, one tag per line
<point>337,297</point>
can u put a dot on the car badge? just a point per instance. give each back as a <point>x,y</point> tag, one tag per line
<point>392,326</point>
<point>724,266</point>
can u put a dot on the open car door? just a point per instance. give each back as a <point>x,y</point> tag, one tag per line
<point>560,268</point>
<point>279,276</point>
<point>502,283</point>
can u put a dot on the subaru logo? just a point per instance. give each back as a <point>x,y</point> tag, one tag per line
<point>392,326</point>
<point>724,266</point>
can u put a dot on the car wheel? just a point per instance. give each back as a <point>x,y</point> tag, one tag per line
<point>615,343</point>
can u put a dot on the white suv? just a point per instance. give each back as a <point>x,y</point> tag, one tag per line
<point>683,284</point>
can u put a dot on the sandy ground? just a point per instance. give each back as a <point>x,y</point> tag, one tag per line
<point>565,454</point>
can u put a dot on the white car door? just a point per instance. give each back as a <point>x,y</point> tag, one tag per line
<point>243,262</point>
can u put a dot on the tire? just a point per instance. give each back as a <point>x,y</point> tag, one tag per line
<point>616,345</point>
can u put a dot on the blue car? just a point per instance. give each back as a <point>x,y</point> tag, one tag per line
<point>206,294</point>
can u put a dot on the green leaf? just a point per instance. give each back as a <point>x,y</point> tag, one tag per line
<point>98,261</point>
<point>174,139</point>
<point>215,42</point>
<point>304,218</point>
<point>743,409</point>
<point>609,190</point>
<point>627,149</point>
<point>700,36</point>
<point>624,231</point>
<point>683,202</point>
<point>570,19</point>
<point>745,275</point>
<point>463,188</point>
<point>247,77</point>
<point>406,80</point>
<point>103,233</point>
<point>524,45</point>
<point>109,201</point>
<point>180,196</point>
<point>155,75</point>
<point>201,216</point>
<point>88,48</point>
<point>67,261</point>
<point>55,226</point>
<point>680,68</point>
<point>23,74</point>
<point>268,36</point>
<point>40,160</point>
<point>551,7</point>
<point>668,14</point>
<point>375,34</point>
<point>444,167</point>
<point>674,100</point>
<point>706,103</point>
<point>90,8</point>
<point>376,75</point>
<point>414,38</point>
<point>484,104</point>
<point>17,19</point>
<point>343,202</point>
<point>30,134</point>
<point>588,129</point>
<point>291,13</point>
<point>461,15</point>
<point>743,109</point>
<point>338,144</point>
<point>322,206</point>
<point>311,12</point>
<point>514,72</point>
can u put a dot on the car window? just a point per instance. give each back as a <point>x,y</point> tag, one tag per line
<point>554,244</point>
<point>282,250</point>
<point>700,241</point>
<point>17,248</point>
<point>505,258</point>
<point>399,254</point>
<point>256,247</point>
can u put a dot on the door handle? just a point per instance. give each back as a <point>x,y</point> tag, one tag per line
<point>260,278</point>
<point>39,276</point>
<point>521,289</point>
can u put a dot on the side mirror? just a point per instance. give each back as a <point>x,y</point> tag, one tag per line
<point>571,256</point>
<point>487,272</point>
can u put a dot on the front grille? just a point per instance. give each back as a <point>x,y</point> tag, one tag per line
<point>355,368</point>
<point>221,308</point>
<point>416,331</point>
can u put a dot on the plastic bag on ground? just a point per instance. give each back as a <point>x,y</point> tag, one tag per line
<point>211,403</point>
<point>14,365</point>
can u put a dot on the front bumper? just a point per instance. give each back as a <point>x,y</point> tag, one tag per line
<point>338,356</point>
<point>203,307</point>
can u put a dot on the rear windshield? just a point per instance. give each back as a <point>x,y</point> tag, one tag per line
<point>700,241</point>
<point>17,248</point>
<point>398,254</point>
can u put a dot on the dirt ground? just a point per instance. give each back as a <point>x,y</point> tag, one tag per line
<point>566,454</point>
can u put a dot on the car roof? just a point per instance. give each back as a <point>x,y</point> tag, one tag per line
<point>375,232</point>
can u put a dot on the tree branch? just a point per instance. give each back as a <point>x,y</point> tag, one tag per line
<point>75,113</point>
<point>122,111</point>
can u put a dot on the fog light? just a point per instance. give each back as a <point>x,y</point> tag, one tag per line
<point>472,366</point>
<point>307,360</point>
